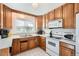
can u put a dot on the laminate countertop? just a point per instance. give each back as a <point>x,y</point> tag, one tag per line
<point>5,43</point>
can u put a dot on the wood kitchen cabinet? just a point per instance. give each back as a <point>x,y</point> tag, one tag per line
<point>68,15</point>
<point>42,42</point>
<point>23,45</point>
<point>19,45</point>
<point>66,49</point>
<point>32,43</point>
<point>15,47</point>
<point>7,17</point>
<point>46,17</point>
<point>59,13</point>
<point>39,22</point>
<point>4,52</point>
<point>44,21</point>
<point>51,15</point>
<point>76,9</point>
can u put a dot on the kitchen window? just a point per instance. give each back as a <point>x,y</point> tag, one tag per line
<point>24,27</point>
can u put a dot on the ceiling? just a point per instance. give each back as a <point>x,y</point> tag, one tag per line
<point>42,8</point>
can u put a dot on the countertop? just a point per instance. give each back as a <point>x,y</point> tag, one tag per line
<point>7,42</point>
<point>68,41</point>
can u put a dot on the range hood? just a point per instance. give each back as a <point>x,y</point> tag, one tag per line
<point>58,23</point>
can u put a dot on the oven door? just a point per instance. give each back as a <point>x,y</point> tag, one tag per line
<point>53,45</point>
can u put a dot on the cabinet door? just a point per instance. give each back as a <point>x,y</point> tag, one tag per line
<point>42,42</point>
<point>76,7</point>
<point>7,17</point>
<point>15,47</point>
<point>31,43</point>
<point>51,15</point>
<point>68,16</point>
<point>23,46</point>
<point>39,22</point>
<point>44,21</point>
<point>59,13</point>
<point>66,51</point>
<point>4,52</point>
<point>46,17</point>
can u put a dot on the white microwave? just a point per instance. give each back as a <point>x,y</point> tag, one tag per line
<point>58,23</point>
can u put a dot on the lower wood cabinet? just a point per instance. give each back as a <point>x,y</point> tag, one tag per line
<point>32,43</point>
<point>4,52</point>
<point>42,42</point>
<point>23,46</point>
<point>15,47</point>
<point>66,49</point>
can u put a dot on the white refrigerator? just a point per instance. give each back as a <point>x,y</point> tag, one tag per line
<point>77,34</point>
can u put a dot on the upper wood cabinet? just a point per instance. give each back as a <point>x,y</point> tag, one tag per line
<point>51,15</point>
<point>39,22</point>
<point>44,21</point>
<point>59,13</point>
<point>76,5</point>
<point>68,16</point>
<point>7,17</point>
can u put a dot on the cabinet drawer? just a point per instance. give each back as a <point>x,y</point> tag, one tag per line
<point>24,46</point>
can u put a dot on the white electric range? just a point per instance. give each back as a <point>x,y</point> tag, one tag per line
<point>52,45</point>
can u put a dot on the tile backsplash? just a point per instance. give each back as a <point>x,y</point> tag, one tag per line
<point>60,31</point>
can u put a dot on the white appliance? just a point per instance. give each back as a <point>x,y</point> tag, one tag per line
<point>52,46</point>
<point>58,23</point>
<point>77,34</point>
